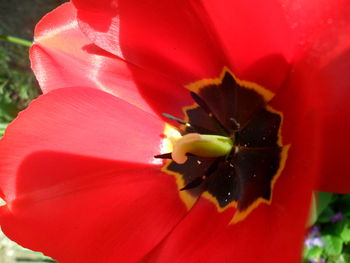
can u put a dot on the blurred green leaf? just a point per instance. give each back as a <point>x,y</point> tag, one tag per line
<point>345,234</point>
<point>17,82</point>
<point>344,258</point>
<point>333,245</point>
<point>344,204</point>
<point>324,199</point>
<point>335,229</point>
<point>313,253</point>
<point>2,128</point>
<point>326,215</point>
<point>320,202</point>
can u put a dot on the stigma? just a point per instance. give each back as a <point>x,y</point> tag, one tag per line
<point>210,146</point>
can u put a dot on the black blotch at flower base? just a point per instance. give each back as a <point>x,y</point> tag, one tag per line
<point>245,177</point>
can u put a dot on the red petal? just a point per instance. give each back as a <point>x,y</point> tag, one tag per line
<point>323,70</point>
<point>63,57</point>
<point>192,40</point>
<point>260,38</point>
<point>75,208</point>
<point>270,233</point>
<point>78,180</point>
<point>192,235</point>
<point>256,37</point>
<point>164,36</point>
<point>81,121</point>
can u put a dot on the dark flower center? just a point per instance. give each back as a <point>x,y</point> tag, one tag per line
<point>245,176</point>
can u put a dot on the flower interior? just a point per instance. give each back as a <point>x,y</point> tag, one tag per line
<point>231,151</point>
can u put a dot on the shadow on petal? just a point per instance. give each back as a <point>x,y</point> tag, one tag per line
<point>74,208</point>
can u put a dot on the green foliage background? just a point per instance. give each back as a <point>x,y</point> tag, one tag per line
<point>17,84</point>
<point>332,227</point>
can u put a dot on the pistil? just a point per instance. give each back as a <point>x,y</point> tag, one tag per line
<point>210,146</point>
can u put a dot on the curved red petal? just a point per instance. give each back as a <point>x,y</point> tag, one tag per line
<point>78,179</point>
<point>322,69</point>
<point>63,57</point>
<point>271,232</point>
<point>192,40</point>
<point>164,36</point>
<point>76,208</point>
<point>187,242</point>
<point>82,121</point>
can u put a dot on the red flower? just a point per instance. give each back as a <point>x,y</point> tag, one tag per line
<point>77,167</point>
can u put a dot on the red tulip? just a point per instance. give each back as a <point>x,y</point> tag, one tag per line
<point>78,172</point>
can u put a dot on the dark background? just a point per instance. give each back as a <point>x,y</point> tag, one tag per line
<point>18,85</point>
<point>18,17</point>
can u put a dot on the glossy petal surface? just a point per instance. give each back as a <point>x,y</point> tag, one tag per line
<point>323,69</point>
<point>77,177</point>
<point>261,37</point>
<point>258,39</point>
<point>63,57</point>
<point>165,36</point>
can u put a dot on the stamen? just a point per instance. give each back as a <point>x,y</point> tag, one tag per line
<point>163,156</point>
<point>196,182</point>
<point>194,128</point>
<point>171,117</point>
<point>236,123</point>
